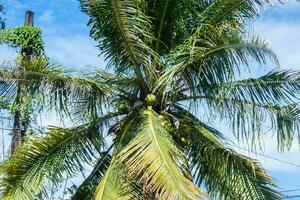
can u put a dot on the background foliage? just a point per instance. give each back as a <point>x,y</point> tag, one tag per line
<point>23,37</point>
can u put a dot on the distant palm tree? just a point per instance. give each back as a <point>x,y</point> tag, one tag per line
<point>22,84</point>
<point>168,57</point>
<point>2,24</point>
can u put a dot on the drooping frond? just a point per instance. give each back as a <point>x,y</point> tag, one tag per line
<point>8,88</point>
<point>225,173</point>
<point>230,12</point>
<point>275,87</point>
<point>87,189</point>
<point>247,119</point>
<point>152,155</point>
<point>123,32</point>
<point>59,87</point>
<point>201,61</point>
<point>249,104</point>
<point>62,152</point>
<point>112,184</point>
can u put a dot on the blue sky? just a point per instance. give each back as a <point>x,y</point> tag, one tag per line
<point>67,42</point>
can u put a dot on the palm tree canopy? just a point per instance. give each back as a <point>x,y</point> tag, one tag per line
<point>165,55</point>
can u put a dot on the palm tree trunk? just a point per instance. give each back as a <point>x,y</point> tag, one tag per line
<point>2,24</point>
<point>21,122</point>
<point>17,126</point>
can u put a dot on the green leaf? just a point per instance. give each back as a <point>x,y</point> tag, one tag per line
<point>26,37</point>
<point>123,32</point>
<point>225,173</point>
<point>153,155</point>
<point>202,62</point>
<point>111,186</point>
<point>87,189</point>
<point>49,86</point>
<point>62,152</point>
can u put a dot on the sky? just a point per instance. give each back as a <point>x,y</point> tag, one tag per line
<point>67,42</point>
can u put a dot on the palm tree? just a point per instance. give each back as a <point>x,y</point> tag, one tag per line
<point>2,24</point>
<point>22,88</point>
<point>169,58</point>
<point>28,39</point>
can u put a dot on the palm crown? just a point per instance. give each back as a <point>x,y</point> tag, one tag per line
<point>169,57</point>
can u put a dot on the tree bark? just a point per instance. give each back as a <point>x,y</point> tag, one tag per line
<point>29,17</point>
<point>17,126</point>
<point>21,122</point>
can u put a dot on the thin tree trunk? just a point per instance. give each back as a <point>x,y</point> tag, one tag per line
<point>17,126</point>
<point>21,123</point>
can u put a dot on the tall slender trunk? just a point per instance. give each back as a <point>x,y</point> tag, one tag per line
<point>17,126</point>
<point>21,123</point>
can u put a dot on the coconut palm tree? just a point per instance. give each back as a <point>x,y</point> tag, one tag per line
<point>2,24</point>
<point>22,88</point>
<point>170,61</point>
<point>28,40</point>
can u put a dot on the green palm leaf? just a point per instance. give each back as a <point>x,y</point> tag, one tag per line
<point>275,87</point>
<point>61,89</point>
<point>250,102</point>
<point>88,187</point>
<point>61,152</point>
<point>153,155</point>
<point>228,174</point>
<point>222,12</point>
<point>225,173</point>
<point>112,185</point>
<point>201,62</point>
<point>247,118</point>
<point>169,22</point>
<point>124,35</point>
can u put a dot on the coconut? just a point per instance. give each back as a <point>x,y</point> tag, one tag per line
<point>150,99</point>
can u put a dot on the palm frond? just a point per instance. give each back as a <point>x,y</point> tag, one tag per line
<point>246,119</point>
<point>62,152</point>
<point>112,185</point>
<point>87,189</point>
<point>225,12</point>
<point>225,173</point>
<point>277,87</point>
<point>60,88</point>
<point>201,62</point>
<point>161,164</point>
<point>249,104</point>
<point>8,86</point>
<point>170,24</point>
<point>123,32</point>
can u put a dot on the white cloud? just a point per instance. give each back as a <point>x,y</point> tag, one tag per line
<point>74,51</point>
<point>280,26</point>
<point>7,54</point>
<point>284,39</point>
<point>47,17</point>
